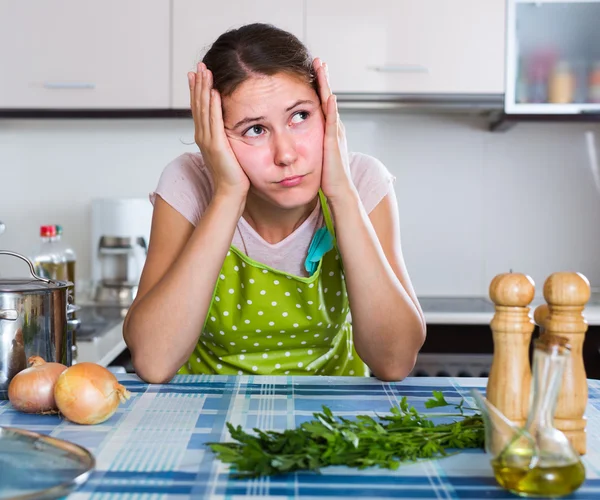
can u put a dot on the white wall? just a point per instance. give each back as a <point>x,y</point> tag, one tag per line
<point>472,203</point>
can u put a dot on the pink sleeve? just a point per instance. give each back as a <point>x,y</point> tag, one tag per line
<point>372,179</point>
<point>186,185</point>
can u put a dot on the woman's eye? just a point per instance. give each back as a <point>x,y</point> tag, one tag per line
<point>300,116</point>
<point>254,131</point>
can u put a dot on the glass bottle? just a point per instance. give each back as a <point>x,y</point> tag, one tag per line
<point>537,460</point>
<point>561,85</point>
<point>594,83</point>
<point>47,259</point>
<point>71,257</point>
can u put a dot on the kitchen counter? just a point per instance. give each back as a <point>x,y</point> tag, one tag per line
<point>438,311</point>
<point>153,447</point>
<point>480,310</point>
<point>104,349</point>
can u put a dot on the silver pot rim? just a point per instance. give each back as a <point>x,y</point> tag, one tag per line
<point>18,285</point>
<point>34,283</point>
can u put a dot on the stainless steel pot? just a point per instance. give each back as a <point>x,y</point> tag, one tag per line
<point>33,322</point>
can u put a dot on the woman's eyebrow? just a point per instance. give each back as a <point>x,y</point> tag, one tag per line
<point>247,120</point>
<point>244,121</point>
<point>298,103</point>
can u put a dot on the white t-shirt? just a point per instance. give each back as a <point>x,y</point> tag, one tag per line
<point>186,184</point>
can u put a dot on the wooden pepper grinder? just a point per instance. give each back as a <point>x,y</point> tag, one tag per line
<point>509,382</point>
<point>567,294</point>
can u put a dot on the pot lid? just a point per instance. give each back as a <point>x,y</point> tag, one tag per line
<point>34,283</point>
<point>30,285</point>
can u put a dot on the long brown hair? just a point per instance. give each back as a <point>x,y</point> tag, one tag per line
<point>257,49</point>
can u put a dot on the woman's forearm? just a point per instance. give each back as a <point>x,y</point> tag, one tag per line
<point>387,325</point>
<point>162,329</point>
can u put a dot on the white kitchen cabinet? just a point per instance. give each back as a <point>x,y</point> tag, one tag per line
<point>74,54</point>
<point>553,57</point>
<point>197,24</point>
<point>408,46</point>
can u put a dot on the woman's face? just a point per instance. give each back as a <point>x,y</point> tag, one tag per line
<point>275,127</point>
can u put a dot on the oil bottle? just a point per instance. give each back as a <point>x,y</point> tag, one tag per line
<point>537,460</point>
<point>69,254</point>
<point>49,262</point>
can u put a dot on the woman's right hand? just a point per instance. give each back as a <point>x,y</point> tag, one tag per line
<point>210,135</point>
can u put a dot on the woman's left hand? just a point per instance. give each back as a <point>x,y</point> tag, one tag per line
<point>336,180</point>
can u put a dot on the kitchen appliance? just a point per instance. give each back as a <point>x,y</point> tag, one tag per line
<point>120,237</point>
<point>33,322</point>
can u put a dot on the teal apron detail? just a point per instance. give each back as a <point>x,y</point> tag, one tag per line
<point>319,246</point>
<point>267,322</point>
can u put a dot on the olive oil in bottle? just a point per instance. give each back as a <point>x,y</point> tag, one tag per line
<point>536,460</point>
<point>540,481</point>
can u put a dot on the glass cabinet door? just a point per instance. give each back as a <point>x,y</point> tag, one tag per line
<point>553,57</point>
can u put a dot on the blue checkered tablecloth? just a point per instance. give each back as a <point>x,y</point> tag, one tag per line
<point>153,447</point>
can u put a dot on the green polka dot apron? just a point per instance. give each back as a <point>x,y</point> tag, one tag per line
<point>267,322</point>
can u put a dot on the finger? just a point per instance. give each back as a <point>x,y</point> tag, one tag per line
<point>341,127</point>
<point>326,68</point>
<point>191,83</point>
<point>331,127</point>
<point>197,105</point>
<point>216,113</point>
<point>324,90</point>
<point>317,63</point>
<point>205,104</point>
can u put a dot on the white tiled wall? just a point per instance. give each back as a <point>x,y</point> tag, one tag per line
<point>472,203</point>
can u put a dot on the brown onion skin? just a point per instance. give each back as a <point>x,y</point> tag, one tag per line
<point>87,394</point>
<point>32,389</point>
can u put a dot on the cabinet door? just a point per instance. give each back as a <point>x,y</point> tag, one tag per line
<point>197,24</point>
<point>407,46</point>
<point>84,54</point>
<point>553,57</point>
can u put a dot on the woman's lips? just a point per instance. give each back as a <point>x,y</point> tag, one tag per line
<point>291,181</point>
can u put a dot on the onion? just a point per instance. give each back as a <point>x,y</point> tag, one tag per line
<point>87,393</point>
<point>32,389</point>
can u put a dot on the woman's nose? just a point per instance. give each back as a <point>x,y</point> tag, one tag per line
<point>285,150</point>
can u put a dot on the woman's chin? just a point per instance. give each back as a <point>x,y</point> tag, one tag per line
<point>289,198</point>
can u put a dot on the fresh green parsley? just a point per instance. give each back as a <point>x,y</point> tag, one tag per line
<point>405,436</point>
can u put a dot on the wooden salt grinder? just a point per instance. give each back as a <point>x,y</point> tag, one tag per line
<point>509,382</point>
<point>567,294</point>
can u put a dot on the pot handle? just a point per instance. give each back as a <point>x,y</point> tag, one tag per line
<point>29,263</point>
<point>9,314</point>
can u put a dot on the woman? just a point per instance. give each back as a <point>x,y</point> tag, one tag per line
<point>264,241</point>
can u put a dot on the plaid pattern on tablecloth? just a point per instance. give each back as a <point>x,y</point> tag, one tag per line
<point>153,447</point>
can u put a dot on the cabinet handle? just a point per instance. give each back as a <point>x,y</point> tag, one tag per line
<point>399,68</point>
<point>69,85</point>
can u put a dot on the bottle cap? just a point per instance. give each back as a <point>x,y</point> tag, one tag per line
<point>59,229</point>
<point>47,231</point>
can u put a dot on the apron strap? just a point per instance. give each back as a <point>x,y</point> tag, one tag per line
<point>329,223</point>
<point>327,215</point>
